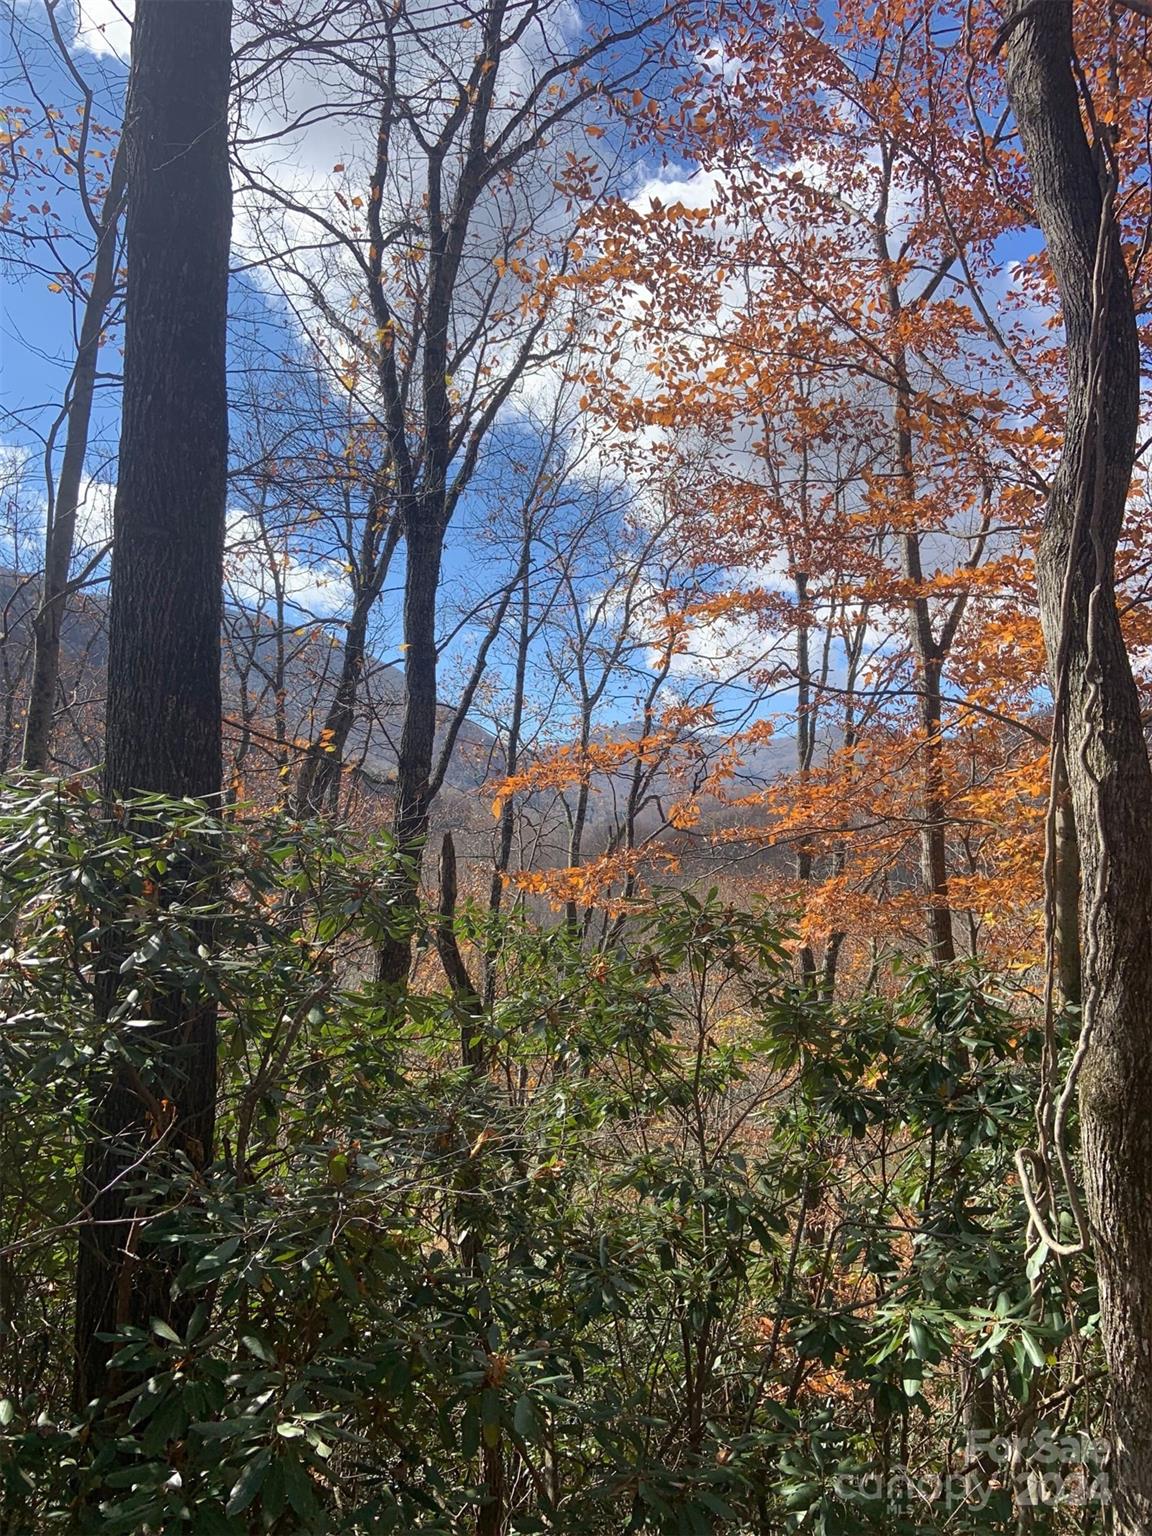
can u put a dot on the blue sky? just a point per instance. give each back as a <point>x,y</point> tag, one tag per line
<point>37,328</point>
<point>38,325</point>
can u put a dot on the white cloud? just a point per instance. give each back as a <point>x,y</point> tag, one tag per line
<point>104,27</point>
<point>26,510</point>
<point>699,190</point>
<point>15,461</point>
<point>94,515</point>
<point>307,141</point>
<point>316,587</point>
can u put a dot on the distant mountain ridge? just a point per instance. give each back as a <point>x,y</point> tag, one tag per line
<point>248,676</point>
<point>309,682</point>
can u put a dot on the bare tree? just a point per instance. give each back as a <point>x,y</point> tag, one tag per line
<point>68,240</point>
<point>20,552</point>
<point>451,250</point>
<point>102,212</point>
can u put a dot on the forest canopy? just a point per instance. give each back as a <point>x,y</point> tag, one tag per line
<point>575,805</point>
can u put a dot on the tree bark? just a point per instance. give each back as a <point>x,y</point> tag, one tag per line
<point>805,744</point>
<point>1067,875</point>
<point>929,655</point>
<point>163,726</point>
<point>163,729</point>
<point>1098,723</point>
<point>507,826</point>
<point>424,541</point>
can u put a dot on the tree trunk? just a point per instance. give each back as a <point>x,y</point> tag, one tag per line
<point>318,786</point>
<point>929,659</point>
<point>805,749</point>
<point>929,656</point>
<point>507,827</point>
<point>474,1054</point>
<point>163,726</point>
<point>423,535</point>
<point>1067,875</point>
<point>934,834</point>
<point>1098,714</point>
<point>61,533</point>
<point>163,730</point>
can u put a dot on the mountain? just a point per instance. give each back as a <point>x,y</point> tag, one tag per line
<point>248,683</point>
<point>312,659</point>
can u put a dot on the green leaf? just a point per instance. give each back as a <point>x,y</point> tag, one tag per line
<point>524,1418</point>
<point>228,1429</point>
<point>273,1495</point>
<point>716,1505</point>
<point>211,1521</point>
<point>1034,1349</point>
<point>298,1487</point>
<point>1037,1260</point>
<point>920,1339</point>
<point>248,1484</point>
<point>260,1348</point>
<point>167,1423</point>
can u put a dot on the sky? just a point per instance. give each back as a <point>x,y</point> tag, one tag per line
<point>38,331</point>
<point>324,165</point>
<point>38,325</point>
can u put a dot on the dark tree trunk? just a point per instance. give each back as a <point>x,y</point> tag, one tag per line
<point>163,725</point>
<point>163,730</point>
<point>318,786</point>
<point>929,658</point>
<point>61,535</point>
<point>805,746</point>
<point>934,835</point>
<point>474,1054</point>
<point>424,539</point>
<point>928,654</point>
<point>503,858</point>
<point>1067,877</point>
<point>1099,729</point>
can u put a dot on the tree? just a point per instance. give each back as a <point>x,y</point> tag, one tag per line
<point>61,229</point>
<point>446,261</point>
<point>97,301</point>
<point>20,541</point>
<point>670,1259</point>
<point>302,552</point>
<point>1099,732</point>
<point>163,731</point>
<point>833,255</point>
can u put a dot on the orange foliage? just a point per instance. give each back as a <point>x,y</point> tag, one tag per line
<point>833,340</point>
